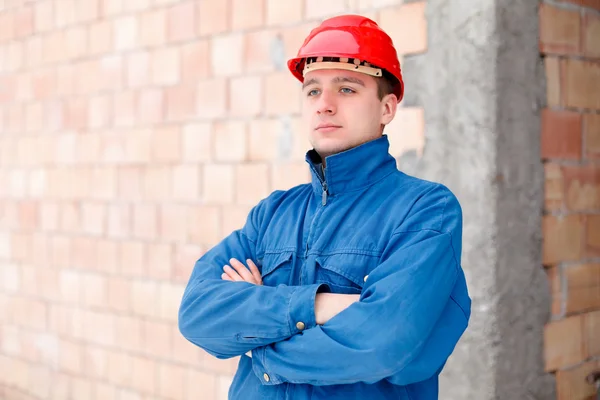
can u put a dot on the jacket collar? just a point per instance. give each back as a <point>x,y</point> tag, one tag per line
<point>352,169</point>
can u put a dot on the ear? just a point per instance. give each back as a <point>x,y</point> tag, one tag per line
<point>389,105</point>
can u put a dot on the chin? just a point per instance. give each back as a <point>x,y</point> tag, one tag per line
<point>327,148</point>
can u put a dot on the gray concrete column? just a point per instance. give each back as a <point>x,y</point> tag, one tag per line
<point>481,84</point>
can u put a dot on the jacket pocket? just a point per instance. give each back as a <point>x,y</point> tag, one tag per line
<point>276,268</point>
<point>345,273</point>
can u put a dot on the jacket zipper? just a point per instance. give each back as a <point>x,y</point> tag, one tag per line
<point>323,199</point>
<point>324,185</point>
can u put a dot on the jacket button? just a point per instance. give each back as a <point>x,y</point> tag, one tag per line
<point>300,326</point>
<point>366,276</point>
<point>267,379</point>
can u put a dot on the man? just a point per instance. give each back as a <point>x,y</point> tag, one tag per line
<point>352,285</point>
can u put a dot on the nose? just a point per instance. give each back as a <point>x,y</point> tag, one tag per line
<point>326,103</point>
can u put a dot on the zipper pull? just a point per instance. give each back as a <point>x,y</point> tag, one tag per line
<point>324,199</point>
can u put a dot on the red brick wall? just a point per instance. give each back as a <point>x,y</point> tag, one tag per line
<point>570,44</point>
<point>130,133</point>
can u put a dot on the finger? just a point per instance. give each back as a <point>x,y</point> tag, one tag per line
<point>232,274</point>
<point>255,272</point>
<point>242,270</point>
<point>225,277</point>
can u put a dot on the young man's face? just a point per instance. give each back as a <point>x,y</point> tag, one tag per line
<point>341,110</point>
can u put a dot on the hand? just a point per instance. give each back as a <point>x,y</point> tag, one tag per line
<point>328,305</point>
<point>239,272</point>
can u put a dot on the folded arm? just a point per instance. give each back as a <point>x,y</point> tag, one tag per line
<point>405,304</point>
<point>226,318</point>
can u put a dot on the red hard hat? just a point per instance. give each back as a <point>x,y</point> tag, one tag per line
<point>352,39</point>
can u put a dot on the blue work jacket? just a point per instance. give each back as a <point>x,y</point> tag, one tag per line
<point>360,227</point>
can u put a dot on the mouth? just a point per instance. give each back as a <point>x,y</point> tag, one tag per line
<point>327,127</point>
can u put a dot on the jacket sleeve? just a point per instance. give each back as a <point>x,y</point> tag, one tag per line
<point>406,323</point>
<point>228,319</point>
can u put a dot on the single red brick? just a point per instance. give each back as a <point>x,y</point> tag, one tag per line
<point>75,115</point>
<point>560,30</point>
<point>153,28</point>
<point>157,183</point>
<point>282,94</point>
<point>126,31</point>
<point>591,124</point>
<point>151,106</point>
<point>211,98</point>
<point>284,13</point>
<point>200,384</point>
<point>218,184</point>
<point>186,182</point>
<point>554,188</point>
<point>112,7</point>
<point>319,9</point>
<point>133,261</point>
<point>166,144</point>
<point>563,238</point>
<point>288,175</point>
<point>252,183</point>
<point>43,18</point>
<point>564,343</point>
<point>570,383</point>
<point>561,134</point>
<point>591,331</point>
<point>591,33</point>
<point>145,221</point>
<point>247,14</point>
<point>195,61</point>
<point>592,235</point>
<point>258,50</point>
<point>407,26</point>
<point>246,96</point>
<point>100,112</point>
<point>33,49</point>
<point>553,81</point>
<point>230,141</point>
<point>143,376</point>
<point>166,66</point>
<point>138,69</point>
<point>293,38</point>
<point>205,225</point>
<point>181,21</point>
<point>160,259</point>
<point>173,222</point>
<point>582,185</point>
<point>171,381</point>
<point>227,54</point>
<point>24,25</point>
<point>583,287</point>
<point>185,256</point>
<point>86,11</point>
<point>197,142</point>
<point>213,17</point>
<point>582,84</point>
<point>181,102</point>
<point>555,277</point>
<point>76,42</point>
<point>264,140</point>
<point>131,181</point>
<point>157,336</point>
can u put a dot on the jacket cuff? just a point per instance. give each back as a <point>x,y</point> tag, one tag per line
<point>266,377</point>
<point>302,307</point>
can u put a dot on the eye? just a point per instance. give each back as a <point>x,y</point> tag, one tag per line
<point>347,90</point>
<point>312,92</point>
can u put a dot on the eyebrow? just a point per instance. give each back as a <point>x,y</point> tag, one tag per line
<point>338,79</point>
